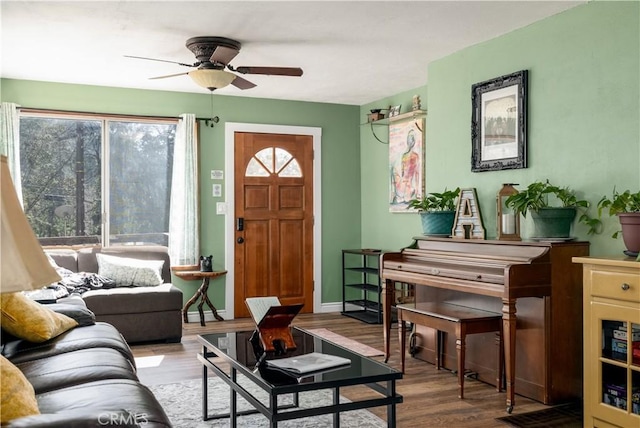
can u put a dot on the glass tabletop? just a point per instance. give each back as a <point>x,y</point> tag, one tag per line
<point>236,349</point>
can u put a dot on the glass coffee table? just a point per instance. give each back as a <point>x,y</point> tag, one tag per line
<point>229,355</point>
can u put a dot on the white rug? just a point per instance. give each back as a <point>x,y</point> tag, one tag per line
<point>183,404</point>
<point>345,342</point>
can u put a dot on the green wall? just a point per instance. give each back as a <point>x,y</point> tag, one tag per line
<point>584,119</point>
<point>340,156</point>
<point>584,131</point>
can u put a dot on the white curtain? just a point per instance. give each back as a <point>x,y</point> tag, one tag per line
<point>10,142</point>
<point>184,233</point>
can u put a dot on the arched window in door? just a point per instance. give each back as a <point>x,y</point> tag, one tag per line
<point>273,160</point>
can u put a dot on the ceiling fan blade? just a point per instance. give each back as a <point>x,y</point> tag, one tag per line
<point>168,75</point>
<point>242,83</point>
<point>223,55</point>
<point>273,71</point>
<point>163,60</point>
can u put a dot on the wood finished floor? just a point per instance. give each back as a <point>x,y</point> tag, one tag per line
<point>430,396</point>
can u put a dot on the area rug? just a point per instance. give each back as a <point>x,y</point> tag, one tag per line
<point>182,402</point>
<point>352,345</point>
<point>564,416</point>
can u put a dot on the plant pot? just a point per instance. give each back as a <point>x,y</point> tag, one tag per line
<point>630,223</point>
<point>553,222</point>
<point>438,223</point>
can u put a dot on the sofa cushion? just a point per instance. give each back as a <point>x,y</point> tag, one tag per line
<point>87,261</point>
<point>77,367</point>
<point>18,397</point>
<point>66,258</point>
<point>134,300</point>
<point>126,402</point>
<point>80,313</point>
<point>128,272</point>
<point>100,335</point>
<point>30,320</point>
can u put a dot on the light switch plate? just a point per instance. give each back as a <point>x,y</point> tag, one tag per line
<point>217,174</point>
<point>221,208</point>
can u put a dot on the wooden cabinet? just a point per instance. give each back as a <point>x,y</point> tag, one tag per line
<point>361,285</point>
<point>611,342</point>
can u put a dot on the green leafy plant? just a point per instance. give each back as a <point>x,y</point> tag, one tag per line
<point>625,202</point>
<point>444,201</point>
<point>536,196</point>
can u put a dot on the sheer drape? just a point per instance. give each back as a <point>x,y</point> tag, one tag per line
<point>10,142</point>
<point>184,244</point>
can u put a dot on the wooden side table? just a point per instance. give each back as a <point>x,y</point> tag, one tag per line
<point>190,275</point>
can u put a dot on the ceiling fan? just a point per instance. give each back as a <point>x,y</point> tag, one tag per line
<point>213,55</point>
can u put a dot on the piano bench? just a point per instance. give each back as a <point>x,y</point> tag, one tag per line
<point>452,319</point>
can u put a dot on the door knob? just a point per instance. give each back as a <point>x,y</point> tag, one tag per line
<point>240,240</point>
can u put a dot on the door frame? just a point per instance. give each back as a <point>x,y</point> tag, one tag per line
<point>230,129</point>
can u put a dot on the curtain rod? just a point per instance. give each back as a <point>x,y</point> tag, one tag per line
<point>113,115</point>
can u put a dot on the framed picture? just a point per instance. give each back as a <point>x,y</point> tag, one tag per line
<point>406,163</point>
<point>394,110</point>
<point>499,123</point>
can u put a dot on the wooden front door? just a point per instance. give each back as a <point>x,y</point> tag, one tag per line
<point>274,219</point>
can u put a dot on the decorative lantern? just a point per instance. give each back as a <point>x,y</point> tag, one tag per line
<point>508,221</point>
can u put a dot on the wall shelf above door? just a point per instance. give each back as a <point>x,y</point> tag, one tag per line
<point>412,115</point>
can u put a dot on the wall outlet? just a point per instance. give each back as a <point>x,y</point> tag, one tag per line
<point>217,190</point>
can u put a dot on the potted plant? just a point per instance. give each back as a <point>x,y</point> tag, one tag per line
<point>550,221</point>
<point>437,211</point>
<point>626,206</point>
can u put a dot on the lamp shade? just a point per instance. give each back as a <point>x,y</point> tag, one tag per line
<point>23,264</point>
<point>212,79</point>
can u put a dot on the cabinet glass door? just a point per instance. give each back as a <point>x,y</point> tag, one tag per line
<point>617,334</point>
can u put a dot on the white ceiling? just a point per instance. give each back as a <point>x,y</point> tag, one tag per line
<point>352,52</point>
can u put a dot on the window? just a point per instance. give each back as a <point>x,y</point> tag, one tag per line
<point>91,179</point>
<point>273,160</point>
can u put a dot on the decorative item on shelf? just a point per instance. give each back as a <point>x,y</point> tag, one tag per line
<point>508,221</point>
<point>376,114</point>
<point>206,264</point>
<point>394,110</point>
<point>468,221</point>
<point>437,212</point>
<point>416,103</point>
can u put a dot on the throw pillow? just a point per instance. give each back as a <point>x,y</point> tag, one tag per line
<point>59,269</point>
<point>79,313</point>
<point>128,272</point>
<point>18,397</point>
<point>30,320</point>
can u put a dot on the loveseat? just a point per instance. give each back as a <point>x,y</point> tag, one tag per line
<point>83,377</point>
<point>139,313</point>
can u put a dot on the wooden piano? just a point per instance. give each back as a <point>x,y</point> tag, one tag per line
<point>536,278</point>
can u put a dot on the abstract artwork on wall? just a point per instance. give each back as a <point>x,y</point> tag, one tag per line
<point>406,160</point>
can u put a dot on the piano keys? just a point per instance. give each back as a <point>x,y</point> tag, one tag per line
<point>534,279</point>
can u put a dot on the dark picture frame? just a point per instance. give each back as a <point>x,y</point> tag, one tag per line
<point>499,123</point>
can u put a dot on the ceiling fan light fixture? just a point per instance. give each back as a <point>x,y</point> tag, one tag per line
<point>212,79</point>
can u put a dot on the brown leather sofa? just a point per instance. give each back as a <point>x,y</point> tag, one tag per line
<point>140,314</point>
<point>86,377</point>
